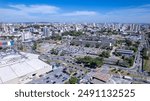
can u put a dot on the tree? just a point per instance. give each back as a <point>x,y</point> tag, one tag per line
<point>57,37</point>
<point>97,45</point>
<point>72,43</point>
<point>123,57</point>
<point>105,54</point>
<point>90,62</point>
<point>117,63</point>
<point>54,51</point>
<point>128,42</point>
<point>117,54</point>
<point>134,49</point>
<point>87,45</point>
<point>72,33</point>
<point>129,61</point>
<point>93,64</point>
<point>34,46</point>
<point>73,80</point>
<point>128,73</point>
<point>62,54</point>
<point>99,61</point>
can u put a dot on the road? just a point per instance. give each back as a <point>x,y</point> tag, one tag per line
<point>137,66</point>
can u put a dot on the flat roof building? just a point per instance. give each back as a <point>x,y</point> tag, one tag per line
<point>123,51</point>
<point>99,78</point>
<point>15,66</point>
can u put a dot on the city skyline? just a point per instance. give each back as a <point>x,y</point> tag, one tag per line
<point>135,11</point>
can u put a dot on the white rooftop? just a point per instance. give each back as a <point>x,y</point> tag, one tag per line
<point>20,66</point>
<point>6,74</point>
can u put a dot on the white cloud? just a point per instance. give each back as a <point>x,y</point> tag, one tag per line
<point>26,12</point>
<point>81,13</point>
<point>23,12</point>
<point>42,9</point>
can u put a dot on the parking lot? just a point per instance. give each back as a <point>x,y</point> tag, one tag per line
<point>56,76</point>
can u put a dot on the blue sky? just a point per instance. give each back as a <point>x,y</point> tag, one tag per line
<point>126,11</point>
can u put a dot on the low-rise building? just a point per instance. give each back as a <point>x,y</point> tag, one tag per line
<point>125,52</point>
<point>100,77</point>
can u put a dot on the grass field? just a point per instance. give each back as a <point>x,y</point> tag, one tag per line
<point>147,63</point>
<point>123,73</point>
